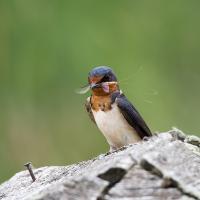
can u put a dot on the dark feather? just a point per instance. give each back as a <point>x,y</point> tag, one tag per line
<point>132,116</point>
<point>89,109</point>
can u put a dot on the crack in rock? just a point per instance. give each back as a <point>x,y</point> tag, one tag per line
<point>113,176</point>
<point>167,181</point>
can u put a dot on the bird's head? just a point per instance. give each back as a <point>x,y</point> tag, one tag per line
<point>102,80</point>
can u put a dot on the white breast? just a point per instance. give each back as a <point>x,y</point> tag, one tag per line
<point>115,127</point>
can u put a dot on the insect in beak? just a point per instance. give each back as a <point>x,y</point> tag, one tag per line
<point>83,90</point>
<point>105,87</point>
<point>86,88</point>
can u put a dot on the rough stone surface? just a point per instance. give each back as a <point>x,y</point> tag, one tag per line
<point>165,166</point>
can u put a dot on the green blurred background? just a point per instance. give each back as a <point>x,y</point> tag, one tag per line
<point>47,49</point>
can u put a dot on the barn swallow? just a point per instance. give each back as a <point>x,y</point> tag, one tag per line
<point>110,110</point>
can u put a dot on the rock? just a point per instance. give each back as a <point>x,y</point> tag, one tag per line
<point>164,167</point>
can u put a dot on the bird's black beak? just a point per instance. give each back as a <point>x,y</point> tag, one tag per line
<point>94,85</point>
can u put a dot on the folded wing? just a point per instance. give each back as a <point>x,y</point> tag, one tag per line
<point>132,116</point>
<point>89,109</point>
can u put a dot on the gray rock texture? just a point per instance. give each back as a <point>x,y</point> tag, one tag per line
<point>165,166</point>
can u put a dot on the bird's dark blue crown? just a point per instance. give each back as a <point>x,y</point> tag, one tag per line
<point>103,71</point>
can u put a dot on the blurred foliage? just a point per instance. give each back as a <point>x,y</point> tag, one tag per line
<point>47,49</point>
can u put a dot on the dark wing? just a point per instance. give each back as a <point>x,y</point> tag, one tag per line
<point>89,109</point>
<point>132,116</point>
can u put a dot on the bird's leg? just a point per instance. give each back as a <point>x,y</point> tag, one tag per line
<point>112,149</point>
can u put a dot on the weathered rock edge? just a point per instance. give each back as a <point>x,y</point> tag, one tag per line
<point>166,166</point>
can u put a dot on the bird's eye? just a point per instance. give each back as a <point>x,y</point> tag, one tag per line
<point>105,78</point>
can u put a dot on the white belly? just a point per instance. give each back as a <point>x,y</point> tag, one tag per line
<point>115,128</point>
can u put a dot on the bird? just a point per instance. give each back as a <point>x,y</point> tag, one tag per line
<point>114,115</point>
